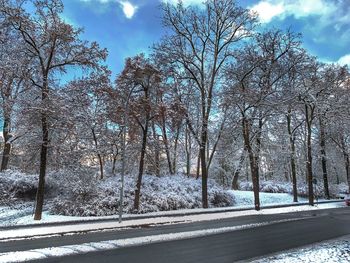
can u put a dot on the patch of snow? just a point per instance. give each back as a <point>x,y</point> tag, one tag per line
<point>46,218</point>
<point>246,198</point>
<point>331,251</point>
<point>11,215</point>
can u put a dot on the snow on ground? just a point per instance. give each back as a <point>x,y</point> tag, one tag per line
<point>331,251</point>
<point>11,215</point>
<point>246,198</point>
<point>46,218</point>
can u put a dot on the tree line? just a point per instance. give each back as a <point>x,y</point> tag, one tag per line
<point>217,97</point>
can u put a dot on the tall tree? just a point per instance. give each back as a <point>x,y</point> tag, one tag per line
<point>258,73</point>
<point>310,96</point>
<point>292,82</point>
<point>14,69</point>
<point>332,77</point>
<point>86,98</point>
<point>53,45</point>
<point>138,84</point>
<point>200,44</point>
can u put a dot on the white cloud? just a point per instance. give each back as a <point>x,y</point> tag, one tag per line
<point>101,1</point>
<point>185,2</point>
<point>269,9</point>
<point>128,9</point>
<point>311,7</point>
<point>344,60</point>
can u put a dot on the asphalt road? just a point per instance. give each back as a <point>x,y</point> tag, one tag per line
<point>227,247</point>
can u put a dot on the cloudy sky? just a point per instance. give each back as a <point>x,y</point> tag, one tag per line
<point>128,27</point>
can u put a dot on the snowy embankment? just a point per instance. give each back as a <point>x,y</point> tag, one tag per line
<point>81,194</point>
<point>331,251</point>
<point>76,196</point>
<point>72,194</point>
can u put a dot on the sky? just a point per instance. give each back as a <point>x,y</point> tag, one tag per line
<point>128,27</point>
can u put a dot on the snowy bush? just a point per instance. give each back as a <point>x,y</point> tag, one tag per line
<point>267,187</point>
<point>222,199</point>
<point>339,189</point>
<point>302,188</point>
<point>157,194</point>
<point>16,185</point>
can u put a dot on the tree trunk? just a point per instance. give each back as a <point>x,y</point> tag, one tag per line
<point>347,168</point>
<point>176,143</point>
<point>337,178</point>
<point>100,161</point>
<point>188,147</point>
<point>309,154</point>
<point>43,154</point>
<point>346,161</point>
<point>324,159</point>
<point>166,145</point>
<point>203,155</point>
<point>253,164</point>
<point>156,150</point>
<point>198,165</point>
<point>7,144</point>
<point>256,178</point>
<point>141,165</point>
<point>99,157</point>
<point>114,163</point>
<point>247,169</point>
<point>286,173</point>
<point>292,157</point>
<point>234,184</point>
<point>293,167</point>
<point>115,154</point>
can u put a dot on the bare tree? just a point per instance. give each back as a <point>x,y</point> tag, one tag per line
<point>14,69</point>
<point>53,45</point>
<point>200,45</point>
<point>86,99</point>
<point>138,83</point>
<point>258,73</point>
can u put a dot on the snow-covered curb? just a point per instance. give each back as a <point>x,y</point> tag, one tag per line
<point>35,254</point>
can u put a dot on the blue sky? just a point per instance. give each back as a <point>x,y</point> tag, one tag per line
<point>128,27</point>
